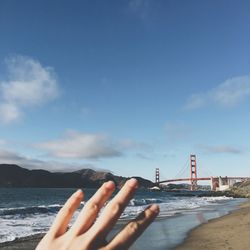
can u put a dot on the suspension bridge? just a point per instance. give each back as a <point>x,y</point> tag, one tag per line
<point>217,183</point>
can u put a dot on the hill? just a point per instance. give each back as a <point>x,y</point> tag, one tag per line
<point>238,190</point>
<point>16,176</point>
<point>241,189</point>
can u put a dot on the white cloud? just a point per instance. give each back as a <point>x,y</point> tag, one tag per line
<point>232,91</point>
<point>196,101</point>
<point>76,145</point>
<point>81,146</point>
<point>9,112</point>
<point>7,156</point>
<point>29,84</point>
<point>227,94</point>
<point>221,149</point>
<point>10,157</point>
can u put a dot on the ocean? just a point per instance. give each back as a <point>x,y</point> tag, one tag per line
<point>30,211</point>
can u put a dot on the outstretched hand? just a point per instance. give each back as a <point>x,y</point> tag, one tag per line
<point>90,233</point>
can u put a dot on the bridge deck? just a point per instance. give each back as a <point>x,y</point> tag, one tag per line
<point>204,179</point>
<point>187,179</point>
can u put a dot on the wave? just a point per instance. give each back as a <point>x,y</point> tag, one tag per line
<point>175,200</point>
<point>23,221</point>
<point>217,199</point>
<point>54,208</point>
<point>172,203</point>
<point>170,206</point>
<point>141,202</point>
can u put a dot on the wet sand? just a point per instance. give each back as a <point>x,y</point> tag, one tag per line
<point>28,243</point>
<point>231,232</point>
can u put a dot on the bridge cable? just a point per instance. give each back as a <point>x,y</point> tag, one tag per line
<point>182,170</point>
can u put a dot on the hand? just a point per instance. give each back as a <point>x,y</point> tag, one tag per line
<point>87,233</point>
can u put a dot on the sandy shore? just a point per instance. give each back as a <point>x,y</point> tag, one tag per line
<point>28,243</point>
<point>231,232</point>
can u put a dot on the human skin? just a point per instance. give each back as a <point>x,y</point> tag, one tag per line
<point>89,232</point>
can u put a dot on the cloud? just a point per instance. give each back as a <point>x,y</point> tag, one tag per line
<point>28,84</point>
<point>227,94</point>
<point>6,156</point>
<point>221,149</point>
<point>10,157</point>
<point>81,146</point>
<point>196,101</point>
<point>76,145</point>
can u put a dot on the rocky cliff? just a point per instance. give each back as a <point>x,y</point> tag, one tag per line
<point>15,176</point>
<point>241,189</point>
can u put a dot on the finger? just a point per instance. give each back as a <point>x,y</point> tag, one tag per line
<point>113,210</point>
<point>62,220</point>
<point>90,211</point>
<point>134,229</point>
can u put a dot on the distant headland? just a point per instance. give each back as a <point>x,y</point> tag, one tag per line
<point>15,176</point>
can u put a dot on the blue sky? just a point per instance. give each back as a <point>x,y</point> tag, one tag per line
<point>126,86</point>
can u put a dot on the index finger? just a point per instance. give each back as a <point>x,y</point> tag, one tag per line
<point>62,220</point>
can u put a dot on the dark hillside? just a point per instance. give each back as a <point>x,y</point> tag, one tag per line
<point>15,176</point>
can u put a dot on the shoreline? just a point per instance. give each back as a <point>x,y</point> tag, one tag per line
<point>24,243</point>
<point>229,232</point>
<point>198,237</point>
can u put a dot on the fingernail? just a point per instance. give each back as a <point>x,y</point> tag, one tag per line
<point>78,192</point>
<point>110,185</point>
<point>155,208</point>
<point>132,183</point>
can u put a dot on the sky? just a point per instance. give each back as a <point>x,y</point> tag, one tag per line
<point>126,86</point>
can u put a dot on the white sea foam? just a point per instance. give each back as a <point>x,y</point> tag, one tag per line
<point>172,206</point>
<point>25,221</point>
<point>22,227</point>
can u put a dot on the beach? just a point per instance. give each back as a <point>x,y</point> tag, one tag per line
<point>25,218</point>
<point>27,243</point>
<point>231,232</point>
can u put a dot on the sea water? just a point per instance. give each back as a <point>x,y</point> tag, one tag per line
<point>29,211</point>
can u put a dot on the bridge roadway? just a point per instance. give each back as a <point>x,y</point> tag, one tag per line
<point>186,179</point>
<point>203,179</point>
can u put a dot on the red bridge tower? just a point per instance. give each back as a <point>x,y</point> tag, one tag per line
<point>193,171</point>
<point>157,176</point>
